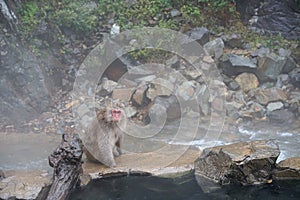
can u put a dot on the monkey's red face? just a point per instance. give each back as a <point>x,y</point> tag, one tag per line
<point>116,114</point>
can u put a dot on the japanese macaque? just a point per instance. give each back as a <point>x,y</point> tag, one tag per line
<point>105,137</point>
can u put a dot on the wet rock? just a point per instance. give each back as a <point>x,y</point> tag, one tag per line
<point>264,96</point>
<point>233,65</point>
<point>274,106</point>
<point>215,48</point>
<point>244,162</point>
<point>281,116</point>
<point>200,34</point>
<point>247,81</point>
<point>160,87</point>
<point>116,69</point>
<point>295,77</point>
<point>288,169</point>
<point>233,40</point>
<point>24,185</point>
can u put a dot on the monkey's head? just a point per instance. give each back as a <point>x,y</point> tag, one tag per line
<point>116,114</point>
<point>109,115</point>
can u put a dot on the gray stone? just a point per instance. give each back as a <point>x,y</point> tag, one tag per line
<point>271,66</point>
<point>203,99</point>
<point>288,169</point>
<point>244,162</point>
<point>295,77</point>
<point>171,104</point>
<point>274,106</point>
<point>232,109</point>
<point>272,17</point>
<point>283,116</point>
<point>200,34</point>
<point>123,94</point>
<point>233,40</point>
<point>108,85</point>
<point>173,62</point>
<point>186,90</point>
<point>282,79</point>
<point>233,65</point>
<point>139,96</point>
<point>261,52</point>
<point>146,78</point>
<point>160,87</point>
<point>215,48</point>
<point>233,85</point>
<point>254,110</point>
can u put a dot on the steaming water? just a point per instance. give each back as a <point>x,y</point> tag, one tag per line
<point>182,188</point>
<point>31,151</point>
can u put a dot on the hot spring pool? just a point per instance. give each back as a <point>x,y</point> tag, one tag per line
<point>185,187</point>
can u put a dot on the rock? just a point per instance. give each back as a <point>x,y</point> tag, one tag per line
<point>273,17</point>
<point>264,96</point>
<point>139,97</point>
<point>123,94</point>
<point>175,13</point>
<point>244,162</point>
<point>233,65</point>
<point>281,117</point>
<point>146,78</point>
<point>116,69</point>
<point>288,169</point>
<point>274,106</point>
<point>200,34</point>
<point>24,185</point>
<point>295,77</point>
<point>233,40</point>
<point>146,69</point>
<point>247,81</point>
<point>282,79</point>
<point>115,29</point>
<point>233,85</point>
<point>160,87</point>
<point>215,48</point>
<point>186,90</point>
<point>261,52</point>
<point>173,62</point>
<point>232,109</point>
<point>255,110</point>
<point>108,85</point>
<point>203,99</point>
<point>271,66</point>
<point>130,111</point>
<point>171,104</point>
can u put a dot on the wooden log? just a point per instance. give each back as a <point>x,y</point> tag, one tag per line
<point>66,161</point>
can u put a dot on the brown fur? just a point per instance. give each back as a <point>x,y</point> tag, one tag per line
<point>104,138</point>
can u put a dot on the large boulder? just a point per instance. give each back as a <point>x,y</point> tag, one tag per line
<point>272,16</point>
<point>244,162</point>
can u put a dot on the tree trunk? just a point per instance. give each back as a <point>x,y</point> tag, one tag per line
<point>66,161</point>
